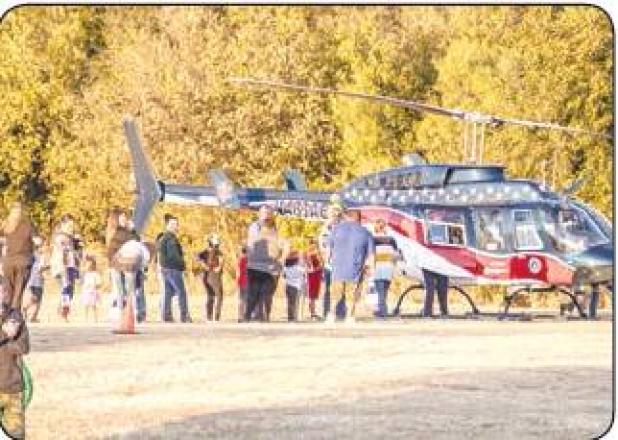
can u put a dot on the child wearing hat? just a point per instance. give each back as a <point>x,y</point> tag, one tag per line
<point>211,259</point>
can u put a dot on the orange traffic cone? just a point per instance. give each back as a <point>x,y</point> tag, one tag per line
<point>127,319</point>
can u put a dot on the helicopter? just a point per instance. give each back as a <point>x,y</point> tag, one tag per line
<point>468,222</point>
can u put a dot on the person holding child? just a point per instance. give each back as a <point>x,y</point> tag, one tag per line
<point>14,344</point>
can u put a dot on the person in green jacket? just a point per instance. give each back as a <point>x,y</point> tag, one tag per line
<point>172,263</point>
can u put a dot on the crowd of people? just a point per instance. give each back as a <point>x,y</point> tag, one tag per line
<point>342,262</point>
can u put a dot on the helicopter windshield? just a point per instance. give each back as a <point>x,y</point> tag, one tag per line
<point>571,230</point>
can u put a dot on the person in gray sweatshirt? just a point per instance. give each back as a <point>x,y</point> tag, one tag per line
<point>264,254</point>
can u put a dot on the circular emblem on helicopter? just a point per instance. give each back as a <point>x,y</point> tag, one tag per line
<point>534,265</point>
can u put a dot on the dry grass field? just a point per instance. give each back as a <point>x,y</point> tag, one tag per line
<point>411,378</point>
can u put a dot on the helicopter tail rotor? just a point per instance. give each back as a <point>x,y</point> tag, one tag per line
<point>294,180</point>
<point>224,188</point>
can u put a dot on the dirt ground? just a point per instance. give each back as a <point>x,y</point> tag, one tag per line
<point>411,378</point>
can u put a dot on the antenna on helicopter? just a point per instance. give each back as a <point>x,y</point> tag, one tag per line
<point>474,122</point>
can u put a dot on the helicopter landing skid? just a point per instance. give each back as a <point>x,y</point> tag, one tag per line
<point>397,309</point>
<point>508,299</point>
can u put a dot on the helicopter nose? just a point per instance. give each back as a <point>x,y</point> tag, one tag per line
<point>595,264</point>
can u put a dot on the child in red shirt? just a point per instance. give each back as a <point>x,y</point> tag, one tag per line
<point>314,276</point>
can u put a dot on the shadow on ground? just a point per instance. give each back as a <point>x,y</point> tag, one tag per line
<point>512,404</point>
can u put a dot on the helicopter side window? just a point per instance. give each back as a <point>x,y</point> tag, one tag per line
<point>491,230</point>
<point>526,232</point>
<point>445,227</point>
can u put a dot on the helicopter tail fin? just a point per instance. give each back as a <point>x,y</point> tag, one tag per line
<point>148,188</point>
<point>225,189</point>
<point>294,180</point>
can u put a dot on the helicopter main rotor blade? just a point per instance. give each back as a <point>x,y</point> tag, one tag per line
<point>413,105</point>
<point>473,117</point>
<point>533,124</point>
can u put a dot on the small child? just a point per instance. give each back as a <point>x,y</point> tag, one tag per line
<point>14,343</point>
<point>294,274</point>
<point>314,276</point>
<point>91,285</point>
<point>36,281</point>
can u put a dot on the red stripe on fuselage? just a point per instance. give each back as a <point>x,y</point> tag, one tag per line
<point>514,266</point>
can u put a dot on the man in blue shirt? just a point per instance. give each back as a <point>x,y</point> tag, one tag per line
<point>352,251</point>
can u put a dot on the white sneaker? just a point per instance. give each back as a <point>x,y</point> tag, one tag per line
<point>350,320</point>
<point>330,318</point>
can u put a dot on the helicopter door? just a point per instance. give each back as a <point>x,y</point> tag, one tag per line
<point>447,237</point>
<point>527,236</point>
<point>491,229</point>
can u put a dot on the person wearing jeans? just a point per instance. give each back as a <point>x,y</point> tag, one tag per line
<point>434,281</point>
<point>123,265</point>
<point>333,218</point>
<point>172,264</point>
<point>140,297</point>
<point>352,251</point>
<point>386,255</point>
<point>64,263</point>
<point>174,285</point>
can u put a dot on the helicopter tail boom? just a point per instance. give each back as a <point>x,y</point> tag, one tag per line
<point>295,200</point>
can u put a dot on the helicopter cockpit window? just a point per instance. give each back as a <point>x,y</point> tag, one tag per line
<point>571,230</point>
<point>491,230</point>
<point>445,227</point>
<point>527,236</point>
